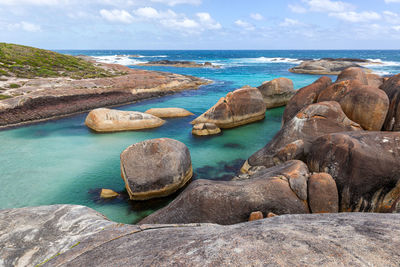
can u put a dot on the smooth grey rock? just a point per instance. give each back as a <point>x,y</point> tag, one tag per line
<point>344,239</point>
<point>30,236</point>
<point>277,93</point>
<point>325,66</point>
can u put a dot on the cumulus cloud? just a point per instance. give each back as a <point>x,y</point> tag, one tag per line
<point>116,15</point>
<point>352,16</point>
<point>178,2</point>
<point>256,16</point>
<point>391,17</point>
<point>290,22</point>
<point>328,5</point>
<point>207,21</point>
<point>26,26</point>
<point>297,9</point>
<point>392,1</point>
<point>245,25</point>
<point>31,2</point>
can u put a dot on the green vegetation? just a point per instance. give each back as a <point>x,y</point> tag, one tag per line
<point>14,85</point>
<point>4,97</point>
<point>28,62</point>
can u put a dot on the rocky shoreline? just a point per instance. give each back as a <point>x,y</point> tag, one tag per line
<point>179,64</point>
<point>49,98</point>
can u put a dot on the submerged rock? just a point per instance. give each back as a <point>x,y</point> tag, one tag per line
<point>242,106</point>
<point>155,168</point>
<point>280,190</point>
<point>169,112</point>
<point>343,239</point>
<point>363,104</point>
<point>202,129</point>
<point>110,120</point>
<point>304,97</point>
<point>277,93</point>
<point>392,88</point>
<point>365,166</point>
<point>326,66</point>
<point>295,138</point>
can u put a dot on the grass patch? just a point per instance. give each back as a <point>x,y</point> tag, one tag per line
<point>4,97</point>
<point>14,85</point>
<point>28,62</point>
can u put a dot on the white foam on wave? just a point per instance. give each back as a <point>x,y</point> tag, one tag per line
<point>266,60</point>
<point>119,59</point>
<point>161,56</point>
<point>377,62</point>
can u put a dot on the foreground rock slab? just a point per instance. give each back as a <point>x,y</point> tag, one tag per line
<point>155,168</point>
<point>365,166</point>
<point>277,93</point>
<point>111,120</point>
<point>345,239</point>
<point>281,190</point>
<point>242,106</point>
<point>31,236</point>
<point>169,112</point>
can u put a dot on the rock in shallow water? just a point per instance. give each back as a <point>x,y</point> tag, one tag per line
<point>109,120</point>
<point>169,112</point>
<point>202,129</point>
<point>277,93</point>
<point>242,106</point>
<point>155,168</point>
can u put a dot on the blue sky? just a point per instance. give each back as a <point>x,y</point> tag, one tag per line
<point>201,24</point>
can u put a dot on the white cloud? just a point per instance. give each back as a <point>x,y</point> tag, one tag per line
<point>352,16</point>
<point>256,16</point>
<point>297,9</point>
<point>26,26</point>
<point>391,17</point>
<point>31,2</point>
<point>146,12</point>
<point>290,22</point>
<point>396,28</point>
<point>392,1</point>
<point>207,21</point>
<point>116,15</point>
<point>328,6</point>
<point>245,25</point>
<point>178,2</point>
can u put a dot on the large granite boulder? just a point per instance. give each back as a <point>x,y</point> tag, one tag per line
<point>326,66</point>
<point>392,89</point>
<point>364,104</point>
<point>242,106</point>
<point>155,168</point>
<point>304,97</point>
<point>32,236</point>
<point>110,120</point>
<point>280,190</point>
<point>322,193</point>
<point>277,93</point>
<point>296,136</point>
<point>343,239</point>
<point>365,166</point>
<point>169,112</point>
<point>353,73</point>
<point>375,80</point>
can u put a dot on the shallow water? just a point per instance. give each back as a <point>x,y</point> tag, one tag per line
<point>61,161</point>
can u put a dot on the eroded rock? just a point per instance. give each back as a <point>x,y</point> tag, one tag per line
<point>155,168</point>
<point>322,194</point>
<point>277,93</point>
<point>203,129</point>
<point>169,112</point>
<point>392,88</point>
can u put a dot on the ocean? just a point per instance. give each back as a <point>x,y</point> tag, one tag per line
<point>62,162</point>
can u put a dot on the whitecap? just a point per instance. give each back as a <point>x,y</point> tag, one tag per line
<point>118,59</point>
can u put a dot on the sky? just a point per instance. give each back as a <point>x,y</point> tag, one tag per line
<point>201,24</point>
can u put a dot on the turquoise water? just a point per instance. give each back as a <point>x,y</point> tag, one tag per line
<point>61,161</point>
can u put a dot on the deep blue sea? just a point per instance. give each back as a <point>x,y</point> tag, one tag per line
<point>62,162</point>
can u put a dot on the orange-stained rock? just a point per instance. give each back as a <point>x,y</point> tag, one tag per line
<point>364,104</point>
<point>108,193</point>
<point>271,214</point>
<point>256,215</point>
<point>353,73</point>
<point>374,80</point>
<point>242,106</point>
<point>322,194</point>
<point>277,93</point>
<point>392,88</point>
<point>304,97</point>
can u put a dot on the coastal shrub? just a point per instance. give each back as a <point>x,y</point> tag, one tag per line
<point>28,62</point>
<point>14,85</point>
<point>4,97</point>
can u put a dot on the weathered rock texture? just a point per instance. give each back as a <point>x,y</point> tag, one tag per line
<point>345,239</point>
<point>322,194</point>
<point>364,104</point>
<point>30,236</point>
<point>294,139</point>
<point>277,93</point>
<point>169,112</point>
<point>242,106</point>
<point>353,73</point>
<point>112,120</point>
<point>392,89</point>
<point>327,66</point>
<point>304,97</point>
<point>203,129</point>
<point>281,190</point>
<point>46,98</point>
<point>365,166</point>
<point>374,80</point>
<point>155,168</point>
